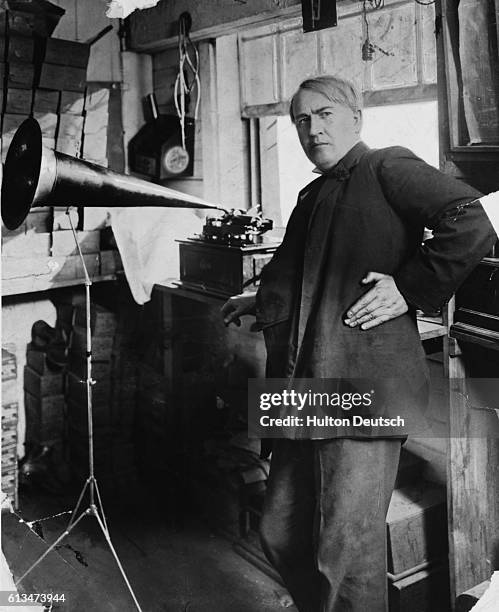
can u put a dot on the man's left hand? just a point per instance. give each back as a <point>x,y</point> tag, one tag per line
<point>381,303</point>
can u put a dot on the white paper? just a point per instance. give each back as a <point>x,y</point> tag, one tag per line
<point>146,239</point>
<point>119,9</point>
<point>490,204</point>
<point>489,601</point>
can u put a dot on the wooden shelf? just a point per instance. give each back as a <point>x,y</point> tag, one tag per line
<point>473,153</point>
<point>428,330</point>
<point>19,286</point>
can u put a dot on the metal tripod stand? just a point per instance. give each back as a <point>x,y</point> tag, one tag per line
<point>95,507</point>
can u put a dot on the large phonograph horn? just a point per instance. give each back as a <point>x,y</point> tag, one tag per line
<point>36,176</point>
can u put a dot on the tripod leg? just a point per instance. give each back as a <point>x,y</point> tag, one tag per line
<point>108,539</point>
<point>51,547</point>
<point>73,514</point>
<point>101,507</point>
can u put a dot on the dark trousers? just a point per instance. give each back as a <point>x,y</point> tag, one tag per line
<point>323,525</point>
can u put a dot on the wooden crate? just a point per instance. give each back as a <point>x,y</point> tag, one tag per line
<point>102,320</point>
<point>72,102</point>
<point>45,418</point>
<point>69,78</point>
<point>42,385</point>
<point>63,242</point>
<point>20,75</point>
<point>66,52</point>
<point>77,390</point>
<point>45,101</point>
<point>424,591</point>
<point>9,365</point>
<point>18,101</point>
<point>20,49</point>
<point>416,526</point>
<point>27,245</point>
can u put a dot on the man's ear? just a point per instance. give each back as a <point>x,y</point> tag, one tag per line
<point>358,121</point>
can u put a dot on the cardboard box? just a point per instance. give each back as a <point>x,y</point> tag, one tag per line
<point>102,346</point>
<point>426,590</point>
<point>20,49</point>
<point>416,526</point>
<point>20,22</point>
<point>9,365</point>
<point>48,123</point>
<point>72,102</point>
<point>10,123</point>
<point>69,78</point>
<point>63,242</point>
<point>20,75</point>
<point>103,321</point>
<point>26,245</point>
<point>10,393</point>
<point>69,145</point>
<point>77,412</point>
<point>46,101</point>
<point>78,366</point>
<point>18,101</point>
<point>66,52</point>
<point>92,263</point>
<point>10,413</point>
<point>45,418</point>
<point>39,220</point>
<point>61,219</point>
<point>110,262</point>
<point>42,385</point>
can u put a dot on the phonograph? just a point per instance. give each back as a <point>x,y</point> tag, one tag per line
<point>229,254</point>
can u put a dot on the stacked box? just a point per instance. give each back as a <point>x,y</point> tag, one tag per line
<point>417,548</point>
<point>113,400</point>
<point>44,403</point>
<point>46,78</point>
<point>9,423</point>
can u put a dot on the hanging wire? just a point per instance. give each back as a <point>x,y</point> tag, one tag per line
<point>187,64</point>
<point>425,2</point>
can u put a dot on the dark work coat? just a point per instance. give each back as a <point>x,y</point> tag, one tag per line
<point>368,214</point>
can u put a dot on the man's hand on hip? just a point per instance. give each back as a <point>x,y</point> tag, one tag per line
<point>381,303</point>
<point>238,305</point>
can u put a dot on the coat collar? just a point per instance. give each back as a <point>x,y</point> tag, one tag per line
<point>342,169</point>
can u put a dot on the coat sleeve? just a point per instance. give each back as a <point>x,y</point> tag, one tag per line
<point>462,232</point>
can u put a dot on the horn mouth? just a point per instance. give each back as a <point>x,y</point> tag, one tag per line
<point>21,173</point>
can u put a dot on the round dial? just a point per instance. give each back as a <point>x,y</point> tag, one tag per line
<point>175,160</point>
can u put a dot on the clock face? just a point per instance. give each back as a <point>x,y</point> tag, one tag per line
<point>175,160</point>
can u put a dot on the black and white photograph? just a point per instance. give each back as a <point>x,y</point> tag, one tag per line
<point>250,305</point>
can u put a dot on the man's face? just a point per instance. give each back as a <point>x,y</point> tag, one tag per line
<point>327,130</point>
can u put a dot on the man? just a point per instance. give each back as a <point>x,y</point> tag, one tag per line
<point>338,300</point>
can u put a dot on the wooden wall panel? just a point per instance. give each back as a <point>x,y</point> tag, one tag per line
<point>429,43</point>
<point>165,70</point>
<point>341,49</point>
<point>394,31</point>
<point>151,27</point>
<point>274,59</point>
<point>299,55</point>
<point>259,69</point>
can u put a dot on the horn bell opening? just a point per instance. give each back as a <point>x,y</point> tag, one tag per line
<point>21,173</point>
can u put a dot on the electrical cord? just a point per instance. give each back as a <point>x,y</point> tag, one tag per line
<point>182,87</point>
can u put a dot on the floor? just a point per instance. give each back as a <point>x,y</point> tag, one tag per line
<point>173,565</point>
